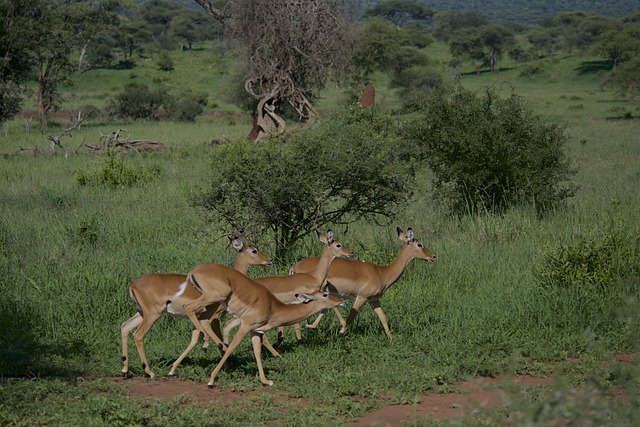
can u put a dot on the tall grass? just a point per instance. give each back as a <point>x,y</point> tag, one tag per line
<point>68,253</point>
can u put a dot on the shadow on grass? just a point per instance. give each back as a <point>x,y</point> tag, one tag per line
<point>22,354</point>
<point>589,67</point>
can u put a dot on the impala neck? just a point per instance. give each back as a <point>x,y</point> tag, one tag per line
<point>294,313</point>
<point>392,272</point>
<point>322,268</point>
<point>241,265</point>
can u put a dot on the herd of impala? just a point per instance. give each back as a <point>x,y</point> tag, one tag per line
<point>259,305</point>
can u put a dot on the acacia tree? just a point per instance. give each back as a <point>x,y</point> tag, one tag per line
<point>53,29</point>
<point>292,47</point>
<point>348,168</point>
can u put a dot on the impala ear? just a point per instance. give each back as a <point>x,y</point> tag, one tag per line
<point>410,236</point>
<point>329,237</point>
<point>237,244</point>
<point>304,298</point>
<point>401,234</point>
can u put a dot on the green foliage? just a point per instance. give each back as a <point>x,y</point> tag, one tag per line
<point>626,79</point>
<point>187,106</point>
<point>489,153</point>
<point>165,63</point>
<point>416,85</point>
<point>592,262</point>
<point>346,169</point>
<point>136,101</point>
<point>115,172</point>
<point>399,11</point>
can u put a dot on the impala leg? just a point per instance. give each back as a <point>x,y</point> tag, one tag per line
<point>125,329</point>
<point>198,306</point>
<point>383,318</point>
<point>269,347</point>
<point>316,322</point>
<point>216,329</point>
<point>280,336</point>
<point>237,339</point>
<point>340,318</point>
<point>226,331</point>
<point>296,328</point>
<point>357,305</point>
<point>195,336</point>
<point>256,341</point>
<point>138,337</point>
<point>206,325</point>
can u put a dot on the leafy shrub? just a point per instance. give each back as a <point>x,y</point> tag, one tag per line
<point>115,172</point>
<point>345,169</point>
<point>592,262</point>
<point>489,153</point>
<point>137,101</point>
<point>186,107</point>
<point>165,63</point>
<point>534,69</point>
<point>416,84</point>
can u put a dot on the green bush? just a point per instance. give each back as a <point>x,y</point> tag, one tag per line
<point>186,107</point>
<point>115,172</point>
<point>488,154</point>
<point>347,168</point>
<point>165,63</point>
<point>136,101</point>
<point>592,262</point>
<point>416,84</point>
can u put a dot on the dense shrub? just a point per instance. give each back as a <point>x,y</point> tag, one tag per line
<point>186,107</point>
<point>136,101</point>
<point>416,85</point>
<point>348,168</point>
<point>165,63</point>
<point>115,172</point>
<point>489,153</point>
<point>592,262</point>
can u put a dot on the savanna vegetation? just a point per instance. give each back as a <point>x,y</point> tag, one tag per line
<point>512,152</point>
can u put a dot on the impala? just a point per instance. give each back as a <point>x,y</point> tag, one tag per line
<point>365,281</point>
<point>286,287</point>
<point>154,294</point>
<point>258,309</point>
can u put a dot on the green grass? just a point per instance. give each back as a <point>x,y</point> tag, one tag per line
<point>68,253</point>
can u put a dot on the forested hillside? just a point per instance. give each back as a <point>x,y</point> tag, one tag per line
<point>528,11</point>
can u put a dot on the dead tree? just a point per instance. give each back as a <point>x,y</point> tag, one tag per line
<point>293,48</point>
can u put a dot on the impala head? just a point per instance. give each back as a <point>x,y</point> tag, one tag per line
<point>252,253</point>
<point>339,250</point>
<point>418,250</point>
<point>325,299</point>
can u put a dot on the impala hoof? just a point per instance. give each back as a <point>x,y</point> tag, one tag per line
<point>210,386</point>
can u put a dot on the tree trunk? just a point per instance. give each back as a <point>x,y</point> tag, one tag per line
<point>83,52</point>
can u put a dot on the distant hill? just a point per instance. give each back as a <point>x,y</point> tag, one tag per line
<point>522,11</point>
<point>527,11</point>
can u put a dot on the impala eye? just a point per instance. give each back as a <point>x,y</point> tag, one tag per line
<point>255,251</point>
<point>420,245</point>
<point>338,245</point>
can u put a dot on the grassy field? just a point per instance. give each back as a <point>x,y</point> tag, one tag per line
<point>69,252</point>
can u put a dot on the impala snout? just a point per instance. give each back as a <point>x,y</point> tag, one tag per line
<point>432,258</point>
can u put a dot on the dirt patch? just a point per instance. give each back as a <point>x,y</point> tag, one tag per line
<point>466,400</point>
<point>469,397</point>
